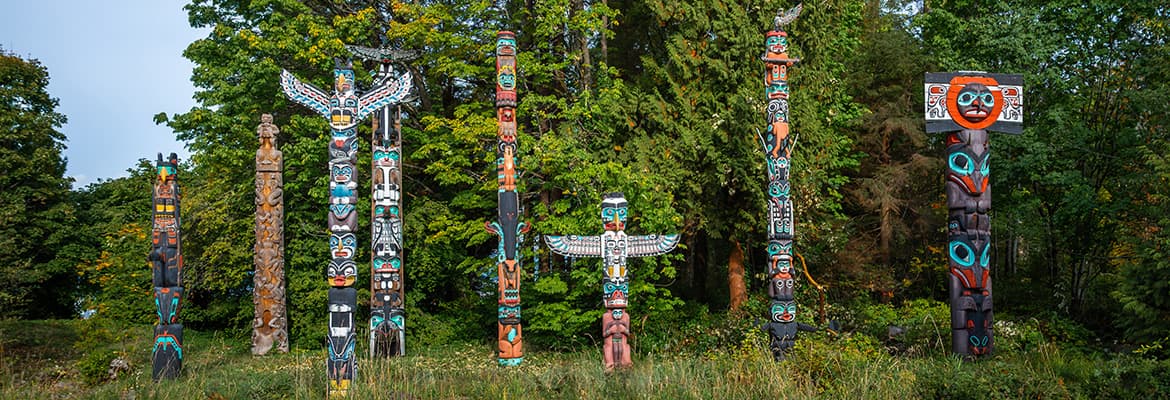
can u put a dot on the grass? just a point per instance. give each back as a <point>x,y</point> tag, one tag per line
<point>38,360</point>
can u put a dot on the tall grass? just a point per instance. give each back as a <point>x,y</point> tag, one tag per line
<point>848,366</point>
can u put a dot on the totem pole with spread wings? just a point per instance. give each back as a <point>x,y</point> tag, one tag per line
<point>614,247</point>
<point>344,110</point>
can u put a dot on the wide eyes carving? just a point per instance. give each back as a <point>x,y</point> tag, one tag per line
<point>962,254</point>
<point>966,98</point>
<point>961,163</point>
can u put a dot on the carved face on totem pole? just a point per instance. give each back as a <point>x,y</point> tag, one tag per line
<point>783,311</point>
<point>613,211</point>
<point>776,44</point>
<point>342,245</point>
<point>341,272</point>
<point>343,106</point>
<point>615,291</point>
<point>967,169</point>
<point>974,100</point>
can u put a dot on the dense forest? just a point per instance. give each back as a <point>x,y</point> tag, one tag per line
<point>661,100</point>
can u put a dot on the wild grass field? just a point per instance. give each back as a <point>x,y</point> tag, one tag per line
<point>43,359</point>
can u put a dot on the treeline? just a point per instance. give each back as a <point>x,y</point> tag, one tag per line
<point>660,99</point>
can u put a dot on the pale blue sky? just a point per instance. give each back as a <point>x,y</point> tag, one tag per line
<point>113,65</point>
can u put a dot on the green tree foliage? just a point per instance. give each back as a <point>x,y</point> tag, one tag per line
<point>37,238</point>
<point>115,273</point>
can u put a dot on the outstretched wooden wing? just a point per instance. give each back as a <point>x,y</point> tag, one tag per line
<point>575,246</point>
<point>304,93</point>
<point>392,90</point>
<point>651,245</point>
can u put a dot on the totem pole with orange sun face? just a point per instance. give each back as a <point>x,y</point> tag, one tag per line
<point>966,105</point>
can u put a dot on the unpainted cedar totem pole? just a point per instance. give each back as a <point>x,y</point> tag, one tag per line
<point>966,105</point>
<point>269,325</point>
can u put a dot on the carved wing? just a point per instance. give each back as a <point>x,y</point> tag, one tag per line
<point>304,93</point>
<point>786,17</point>
<point>575,246</point>
<point>383,55</point>
<point>651,245</point>
<point>392,90</point>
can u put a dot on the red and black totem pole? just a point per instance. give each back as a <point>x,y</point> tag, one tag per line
<point>508,225</point>
<point>614,247</point>
<point>166,264</point>
<point>344,110</point>
<point>387,290</point>
<point>967,105</point>
<point>778,142</point>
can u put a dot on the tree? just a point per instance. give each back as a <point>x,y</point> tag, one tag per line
<point>37,238</point>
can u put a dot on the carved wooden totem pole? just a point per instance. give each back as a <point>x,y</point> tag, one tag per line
<point>269,327</point>
<point>344,110</point>
<point>508,226</point>
<point>166,264</point>
<point>387,317</point>
<point>614,247</point>
<point>966,105</point>
<point>778,142</point>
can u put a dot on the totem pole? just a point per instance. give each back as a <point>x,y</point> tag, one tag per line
<point>387,317</point>
<point>967,105</point>
<point>614,247</point>
<point>778,143</point>
<point>344,110</point>
<point>508,226</point>
<point>269,325</point>
<point>166,264</point>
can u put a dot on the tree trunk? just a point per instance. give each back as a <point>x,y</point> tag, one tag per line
<point>735,276</point>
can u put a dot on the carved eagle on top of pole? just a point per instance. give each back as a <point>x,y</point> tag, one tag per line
<point>786,17</point>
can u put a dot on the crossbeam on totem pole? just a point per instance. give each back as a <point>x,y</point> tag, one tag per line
<point>966,105</point>
<point>614,247</point>
<point>344,109</point>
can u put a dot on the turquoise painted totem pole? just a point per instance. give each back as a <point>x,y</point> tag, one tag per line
<point>344,110</point>
<point>614,247</point>
<point>508,225</point>
<point>166,264</point>
<point>778,142</point>
<point>967,105</point>
<point>387,291</point>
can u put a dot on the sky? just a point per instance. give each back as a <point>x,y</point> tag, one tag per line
<point>112,65</point>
